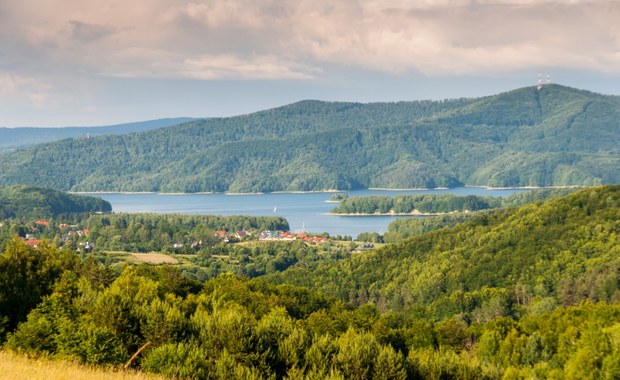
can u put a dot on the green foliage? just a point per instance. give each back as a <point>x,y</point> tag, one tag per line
<point>401,229</point>
<point>565,248</point>
<point>522,293</point>
<point>555,136</point>
<point>26,276</point>
<point>15,138</point>
<point>408,204</point>
<point>31,202</point>
<point>257,259</point>
<point>152,232</point>
<point>177,360</point>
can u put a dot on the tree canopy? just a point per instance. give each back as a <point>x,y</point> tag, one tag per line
<point>31,202</point>
<point>531,292</point>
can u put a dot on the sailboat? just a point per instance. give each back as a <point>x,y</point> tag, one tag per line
<point>275,208</point>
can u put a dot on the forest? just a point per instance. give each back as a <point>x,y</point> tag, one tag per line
<point>32,202</point>
<point>557,136</point>
<point>15,138</point>
<point>523,292</point>
<point>439,203</point>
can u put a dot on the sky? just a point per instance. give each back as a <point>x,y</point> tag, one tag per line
<point>102,62</point>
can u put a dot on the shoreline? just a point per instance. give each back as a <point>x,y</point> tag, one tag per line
<point>412,189</point>
<point>528,187</point>
<point>326,191</point>
<point>307,191</point>
<point>412,213</point>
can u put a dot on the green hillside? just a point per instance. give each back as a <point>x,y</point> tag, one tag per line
<point>561,251</point>
<point>15,138</point>
<point>555,136</point>
<point>30,202</point>
<point>524,293</point>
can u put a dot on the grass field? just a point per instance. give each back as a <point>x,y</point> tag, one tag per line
<point>155,258</point>
<point>16,367</point>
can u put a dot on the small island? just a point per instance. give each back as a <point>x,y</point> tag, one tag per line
<point>437,204</point>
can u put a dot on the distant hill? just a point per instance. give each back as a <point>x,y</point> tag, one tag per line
<point>526,137</point>
<point>14,138</point>
<point>32,202</point>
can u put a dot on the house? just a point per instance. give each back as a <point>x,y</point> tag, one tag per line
<point>242,235</point>
<point>196,244</point>
<point>288,236</point>
<point>269,235</point>
<point>32,242</point>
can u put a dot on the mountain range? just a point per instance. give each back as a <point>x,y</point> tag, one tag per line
<point>555,136</point>
<point>15,138</point>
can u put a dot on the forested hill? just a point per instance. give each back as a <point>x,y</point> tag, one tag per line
<point>32,202</point>
<point>526,137</point>
<point>558,252</point>
<point>14,138</point>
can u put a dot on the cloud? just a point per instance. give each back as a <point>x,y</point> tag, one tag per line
<point>86,33</point>
<point>12,83</point>
<point>270,39</point>
<point>34,91</point>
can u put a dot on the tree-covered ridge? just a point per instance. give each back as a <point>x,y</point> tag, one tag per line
<point>440,203</point>
<point>31,202</point>
<point>555,136</point>
<point>560,251</point>
<point>16,138</point>
<point>418,203</point>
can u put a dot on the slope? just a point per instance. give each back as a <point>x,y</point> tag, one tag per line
<point>32,202</point>
<point>564,250</point>
<point>555,136</point>
<point>14,138</point>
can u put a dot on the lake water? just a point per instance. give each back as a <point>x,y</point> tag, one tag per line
<point>302,210</point>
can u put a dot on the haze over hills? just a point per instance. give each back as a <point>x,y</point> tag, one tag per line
<point>555,136</point>
<point>14,138</point>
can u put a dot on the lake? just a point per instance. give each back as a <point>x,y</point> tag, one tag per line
<point>304,211</point>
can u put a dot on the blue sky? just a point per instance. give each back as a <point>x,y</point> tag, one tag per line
<point>103,62</point>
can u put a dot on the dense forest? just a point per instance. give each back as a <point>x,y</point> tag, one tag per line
<point>555,136</point>
<point>439,203</point>
<point>401,229</point>
<point>560,251</point>
<point>528,292</point>
<point>31,202</point>
<point>14,138</point>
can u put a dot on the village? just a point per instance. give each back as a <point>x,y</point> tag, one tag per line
<point>34,232</point>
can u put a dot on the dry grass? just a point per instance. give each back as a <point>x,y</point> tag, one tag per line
<point>154,258</point>
<point>16,367</point>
